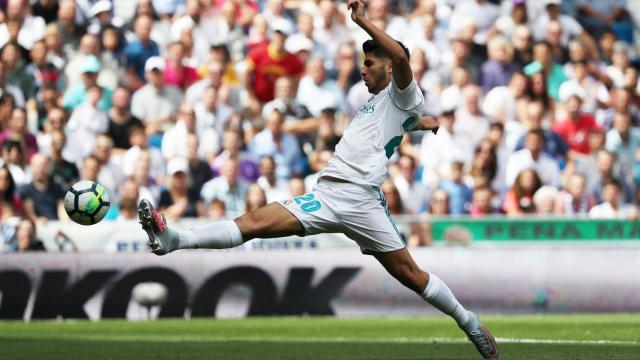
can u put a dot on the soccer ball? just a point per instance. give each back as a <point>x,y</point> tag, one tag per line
<point>86,202</point>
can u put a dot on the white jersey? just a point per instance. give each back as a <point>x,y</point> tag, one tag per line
<point>374,134</point>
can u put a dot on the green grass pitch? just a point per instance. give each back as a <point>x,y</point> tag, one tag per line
<point>579,337</point>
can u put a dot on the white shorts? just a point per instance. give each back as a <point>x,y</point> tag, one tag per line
<point>358,211</point>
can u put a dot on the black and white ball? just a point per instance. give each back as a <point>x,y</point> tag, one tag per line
<point>87,202</point>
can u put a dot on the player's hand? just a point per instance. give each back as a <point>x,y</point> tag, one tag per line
<point>357,10</point>
<point>430,123</point>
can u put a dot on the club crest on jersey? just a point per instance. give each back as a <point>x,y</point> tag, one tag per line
<point>367,109</point>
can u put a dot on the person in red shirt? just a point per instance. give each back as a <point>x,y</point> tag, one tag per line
<point>577,125</point>
<point>267,63</point>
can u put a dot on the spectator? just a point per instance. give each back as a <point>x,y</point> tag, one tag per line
<point>544,200</point>
<point>256,197</point>
<point>439,203</point>
<point>7,88</point>
<point>570,27</point>
<point>544,64</point>
<point>482,14</point>
<point>297,118</point>
<point>25,237</point>
<point>227,187</point>
<point>148,185</point>
<point>317,162</point>
<point>47,10</point>
<point>317,92</point>
<point>110,175</point>
<point>174,141</point>
<point>482,202</point>
<point>18,130</point>
<point>10,202</point>
<point>282,146</point>
<point>30,28</point>
<point>42,197</point>
<point>438,152</point>
<point>459,192</point>
<point>470,121</point>
<point>501,102</point>
<point>533,157</point>
<point>296,187</point>
<point>231,148</point>
<point>484,167</point>
<point>76,95</point>
<point>212,114</point>
<point>176,72</point>
<point>128,204</point>
<point>42,72</point>
<point>265,62</point>
<point>624,140</point>
<point>62,171</point>
<point>67,27</point>
<point>611,206</point>
<point>329,28</point>
<point>275,189</point>
<point>622,101</point>
<point>199,169</point>
<point>554,145</point>
<point>593,91</point>
<point>121,121</point>
<point>216,210</point>
<point>608,169</point>
<point>412,193</point>
<point>498,69</point>
<point>519,199</point>
<point>139,144</point>
<point>140,50</point>
<point>178,199</point>
<point>112,58</point>
<point>227,92</point>
<point>90,168</point>
<point>13,157</point>
<point>576,125</point>
<point>16,71</point>
<point>574,200</point>
<point>87,121</point>
<point>619,62</point>
<point>598,17</point>
<point>155,103</point>
<point>74,69</point>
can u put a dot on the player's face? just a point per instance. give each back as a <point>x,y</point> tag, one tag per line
<point>374,72</point>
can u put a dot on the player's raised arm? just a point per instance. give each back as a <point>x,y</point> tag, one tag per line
<point>399,60</point>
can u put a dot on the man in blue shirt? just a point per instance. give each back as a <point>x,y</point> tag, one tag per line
<point>140,50</point>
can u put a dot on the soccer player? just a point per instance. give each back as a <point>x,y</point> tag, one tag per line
<point>347,197</point>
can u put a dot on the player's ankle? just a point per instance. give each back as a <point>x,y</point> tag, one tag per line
<point>186,239</point>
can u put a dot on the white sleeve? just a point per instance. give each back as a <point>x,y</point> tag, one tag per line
<point>408,98</point>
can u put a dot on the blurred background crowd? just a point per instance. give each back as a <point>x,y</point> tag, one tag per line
<point>211,108</point>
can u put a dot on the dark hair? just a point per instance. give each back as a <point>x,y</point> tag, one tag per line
<point>520,191</point>
<point>612,182</point>
<point>8,195</point>
<point>370,46</point>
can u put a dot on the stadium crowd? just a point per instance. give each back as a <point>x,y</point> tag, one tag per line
<point>211,108</point>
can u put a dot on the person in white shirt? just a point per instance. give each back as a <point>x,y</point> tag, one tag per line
<point>316,92</point>
<point>611,207</point>
<point>413,194</point>
<point>532,157</point>
<point>31,27</point>
<point>174,141</point>
<point>347,197</point>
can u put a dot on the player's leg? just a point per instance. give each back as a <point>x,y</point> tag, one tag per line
<point>401,266</point>
<point>272,220</point>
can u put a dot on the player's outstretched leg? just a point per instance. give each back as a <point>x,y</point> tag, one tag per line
<point>401,266</point>
<point>272,220</point>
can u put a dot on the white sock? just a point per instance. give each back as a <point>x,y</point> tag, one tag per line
<point>440,296</point>
<point>218,235</point>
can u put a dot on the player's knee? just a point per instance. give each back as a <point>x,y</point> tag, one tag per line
<point>248,224</point>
